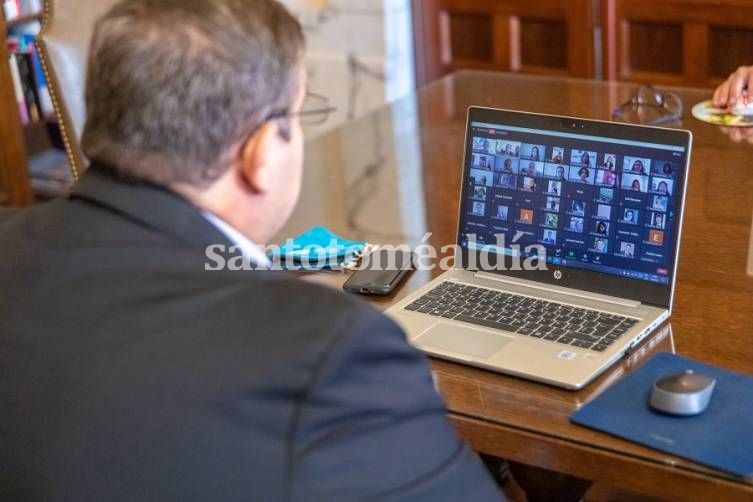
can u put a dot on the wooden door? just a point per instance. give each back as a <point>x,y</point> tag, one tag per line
<point>676,42</point>
<point>553,37</point>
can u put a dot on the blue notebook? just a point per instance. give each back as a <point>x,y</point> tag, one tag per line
<point>720,437</point>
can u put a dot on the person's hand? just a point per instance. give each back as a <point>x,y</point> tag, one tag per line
<point>731,89</point>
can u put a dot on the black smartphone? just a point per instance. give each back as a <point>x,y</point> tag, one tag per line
<point>381,273</point>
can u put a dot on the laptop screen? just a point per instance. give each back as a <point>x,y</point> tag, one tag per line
<point>603,204</point>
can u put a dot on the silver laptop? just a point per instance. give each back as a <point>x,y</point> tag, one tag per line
<point>568,239</point>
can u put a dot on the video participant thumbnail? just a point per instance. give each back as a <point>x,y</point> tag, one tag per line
<point>558,155</point>
<point>532,152</point>
<point>635,165</point>
<point>555,171</point>
<point>549,237</point>
<point>659,202</point>
<point>505,180</point>
<point>661,186</point>
<point>502,212</point>
<point>482,161</point>
<point>583,158</point>
<point>506,164</point>
<point>527,183</point>
<point>531,168</point>
<point>603,212</point>
<point>553,187</point>
<point>663,168</point>
<point>485,145</point>
<point>601,227</point>
<point>508,148</point>
<point>478,209</point>
<point>657,220</point>
<point>553,204</point>
<point>479,192</point>
<point>481,177</point>
<point>599,245</point>
<point>578,207</point>
<point>526,216</point>
<point>656,237</point>
<point>609,163</point>
<point>630,216</point>
<point>636,182</point>
<point>606,195</point>
<point>582,174</point>
<point>576,224</point>
<point>626,249</point>
<point>607,178</point>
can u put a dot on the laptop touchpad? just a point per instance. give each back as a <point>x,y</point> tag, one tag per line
<point>468,341</point>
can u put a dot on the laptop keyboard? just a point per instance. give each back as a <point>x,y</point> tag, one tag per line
<point>551,321</point>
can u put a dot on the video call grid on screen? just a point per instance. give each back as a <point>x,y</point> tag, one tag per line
<point>601,204</point>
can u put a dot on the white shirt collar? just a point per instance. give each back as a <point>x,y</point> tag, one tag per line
<point>248,249</point>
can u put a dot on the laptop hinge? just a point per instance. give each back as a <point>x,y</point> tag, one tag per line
<point>559,289</point>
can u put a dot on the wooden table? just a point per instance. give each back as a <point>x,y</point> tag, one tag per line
<point>394,175</point>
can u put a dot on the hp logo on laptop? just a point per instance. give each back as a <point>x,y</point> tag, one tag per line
<point>557,274</point>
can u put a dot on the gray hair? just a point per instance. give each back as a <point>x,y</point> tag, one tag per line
<point>173,85</point>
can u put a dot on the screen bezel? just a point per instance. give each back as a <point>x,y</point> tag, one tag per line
<point>569,277</point>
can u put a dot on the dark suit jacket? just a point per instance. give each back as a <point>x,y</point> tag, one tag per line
<point>128,372</point>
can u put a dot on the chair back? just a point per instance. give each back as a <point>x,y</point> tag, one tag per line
<point>63,44</point>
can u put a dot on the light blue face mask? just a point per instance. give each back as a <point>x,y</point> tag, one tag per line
<point>317,249</point>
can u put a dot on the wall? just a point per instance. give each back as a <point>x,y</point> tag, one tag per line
<point>360,53</point>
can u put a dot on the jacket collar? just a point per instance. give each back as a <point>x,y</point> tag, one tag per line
<point>148,205</point>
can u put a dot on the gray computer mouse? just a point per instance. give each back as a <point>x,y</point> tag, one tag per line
<point>686,393</point>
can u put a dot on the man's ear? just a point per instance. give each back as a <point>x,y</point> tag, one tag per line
<point>257,158</point>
